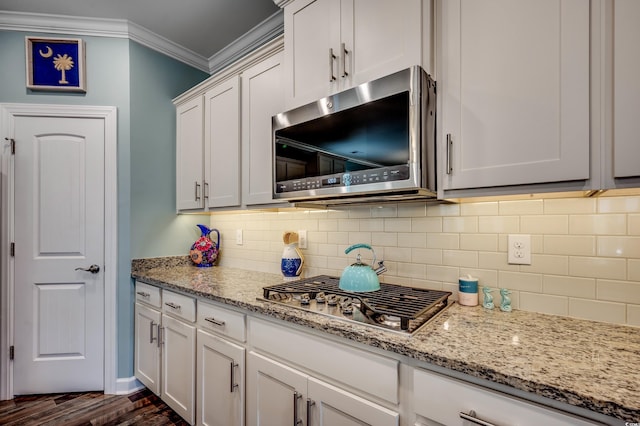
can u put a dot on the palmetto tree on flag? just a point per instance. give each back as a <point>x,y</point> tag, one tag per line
<point>63,63</point>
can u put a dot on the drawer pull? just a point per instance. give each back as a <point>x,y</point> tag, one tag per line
<point>144,294</point>
<point>473,419</point>
<point>215,321</point>
<point>233,378</point>
<point>296,397</point>
<point>172,305</point>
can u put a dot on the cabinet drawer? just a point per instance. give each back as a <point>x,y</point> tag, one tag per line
<point>179,306</point>
<point>442,399</point>
<point>362,370</point>
<point>221,321</point>
<point>148,294</point>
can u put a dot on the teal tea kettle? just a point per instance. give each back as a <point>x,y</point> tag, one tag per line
<point>360,277</point>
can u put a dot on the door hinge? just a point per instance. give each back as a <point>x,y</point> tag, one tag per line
<point>13,144</point>
<point>12,352</point>
<point>12,250</point>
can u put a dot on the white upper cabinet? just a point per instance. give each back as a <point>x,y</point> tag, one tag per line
<point>514,89</point>
<point>626,88</point>
<point>189,150</point>
<point>262,98</point>
<point>222,144</point>
<point>331,45</point>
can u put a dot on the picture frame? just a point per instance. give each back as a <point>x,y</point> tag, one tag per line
<point>55,64</point>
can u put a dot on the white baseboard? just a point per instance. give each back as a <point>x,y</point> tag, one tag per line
<point>127,385</point>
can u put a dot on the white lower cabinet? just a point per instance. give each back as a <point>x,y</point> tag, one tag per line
<point>279,395</point>
<point>289,375</point>
<point>165,347</point>
<point>444,400</point>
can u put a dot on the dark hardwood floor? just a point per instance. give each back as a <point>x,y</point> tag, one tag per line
<point>87,409</point>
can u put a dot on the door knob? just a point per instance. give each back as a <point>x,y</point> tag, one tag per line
<point>94,269</point>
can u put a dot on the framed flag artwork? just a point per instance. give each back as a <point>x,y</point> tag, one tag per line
<point>55,64</point>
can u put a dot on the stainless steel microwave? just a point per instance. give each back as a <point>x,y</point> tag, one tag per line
<point>372,142</point>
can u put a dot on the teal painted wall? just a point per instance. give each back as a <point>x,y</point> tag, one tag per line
<point>146,158</point>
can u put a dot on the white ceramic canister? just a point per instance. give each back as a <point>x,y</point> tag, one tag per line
<point>468,291</point>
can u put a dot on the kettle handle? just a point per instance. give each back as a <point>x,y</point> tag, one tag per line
<point>361,245</point>
<point>218,234</point>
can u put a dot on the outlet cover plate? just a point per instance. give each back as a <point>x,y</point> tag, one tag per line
<point>519,249</point>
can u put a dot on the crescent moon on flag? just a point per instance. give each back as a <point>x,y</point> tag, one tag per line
<point>48,53</point>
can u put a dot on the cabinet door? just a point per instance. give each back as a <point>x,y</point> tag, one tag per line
<point>332,406</point>
<point>222,144</point>
<point>381,37</point>
<point>262,98</point>
<point>220,381</point>
<point>147,349</point>
<point>178,366</point>
<point>189,149</point>
<point>311,37</point>
<point>515,92</point>
<point>626,90</point>
<point>276,394</point>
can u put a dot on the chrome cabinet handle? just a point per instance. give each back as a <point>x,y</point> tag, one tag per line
<point>197,194</point>
<point>473,419</point>
<point>206,190</point>
<point>344,52</point>
<point>160,339</point>
<point>94,269</point>
<point>172,305</point>
<point>151,325</point>
<point>215,321</point>
<point>296,397</point>
<point>332,58</point>
<point>310,404</point>
<point>143,294</point>
<point>449,148</point>
<point>233,380</point>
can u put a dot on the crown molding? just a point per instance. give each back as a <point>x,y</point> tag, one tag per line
<point>265,31</point>
<point>121,28</point>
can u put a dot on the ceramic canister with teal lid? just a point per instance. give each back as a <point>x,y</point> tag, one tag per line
<point>468,291</point>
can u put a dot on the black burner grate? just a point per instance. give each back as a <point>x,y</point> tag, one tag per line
<point>406,303</point>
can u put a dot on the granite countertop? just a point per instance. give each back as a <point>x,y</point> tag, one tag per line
<point>587,364</point>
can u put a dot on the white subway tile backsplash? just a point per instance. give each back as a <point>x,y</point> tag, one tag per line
<point>569,286</point>
<point>545,303</point>
<point>618,291</point>
<point>604,224</point>
<point>520,281</point>
<point>499,224</point>
<point>464,258</point>
<point>466,224</point>
<point>619,205</point>
<point>547,224</point>
<point>628,247</point>
<point>490,208</point>
<point>597,267</point>
<point>569,206</point>
<point>571,245</point>
<point>479,242</point>
<point>521,207</point>
<point>597,310</point>
<point>585,251</point>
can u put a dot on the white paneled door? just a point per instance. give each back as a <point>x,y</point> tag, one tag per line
<point>59,231</point>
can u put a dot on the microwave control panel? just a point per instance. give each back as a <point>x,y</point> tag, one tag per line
<point>352,178</point>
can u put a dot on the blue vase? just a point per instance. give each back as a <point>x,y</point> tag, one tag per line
<point>204,252</point>
<point>291,263</point>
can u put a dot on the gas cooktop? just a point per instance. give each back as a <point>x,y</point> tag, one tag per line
<point>393,307</point>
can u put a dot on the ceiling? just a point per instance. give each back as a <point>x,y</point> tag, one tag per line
<point>202,26</point>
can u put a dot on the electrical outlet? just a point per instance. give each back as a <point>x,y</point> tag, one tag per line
<point>519,249</point>
<point>239,237</point>
<point>302,239</point>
